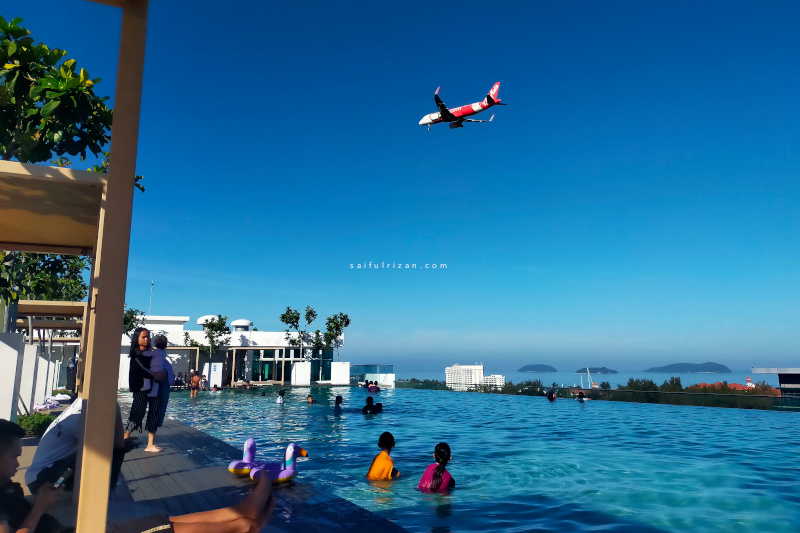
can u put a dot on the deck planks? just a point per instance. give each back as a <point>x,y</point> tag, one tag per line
<point>191,475</point>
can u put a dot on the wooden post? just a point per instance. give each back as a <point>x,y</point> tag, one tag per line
<point>107,294</point>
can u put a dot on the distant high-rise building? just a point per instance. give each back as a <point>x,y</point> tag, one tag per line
<point>463,377</point>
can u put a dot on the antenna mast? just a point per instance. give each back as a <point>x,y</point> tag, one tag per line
<point>150,307</point>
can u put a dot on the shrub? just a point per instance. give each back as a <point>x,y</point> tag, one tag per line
<point>35,424</point>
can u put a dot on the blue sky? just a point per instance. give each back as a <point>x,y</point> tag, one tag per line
<point>635,204</point>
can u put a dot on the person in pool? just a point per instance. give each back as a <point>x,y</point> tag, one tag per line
<point>311,399</point>
<point>372,408</point>
<point>382,466</point>
<point>337,409</point>
<point>281,394</point>
<point>436,478</point>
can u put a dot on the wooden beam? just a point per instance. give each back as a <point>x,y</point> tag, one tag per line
<point>13,170</point>
<point>51,324</point>
<point>51,308</point>
<point>110,272</point>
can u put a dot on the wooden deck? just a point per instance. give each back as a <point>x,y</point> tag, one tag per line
<point>191,475</point>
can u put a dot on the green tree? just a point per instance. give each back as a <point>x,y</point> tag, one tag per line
<point>640,385</point>
<point>672,385</point>
<point>291,317</point>
<point>131,319</point>
<point>217,334</point>
<point>38,277</point>
<point>47,104</point>
<point>336,325</point>
<point>605,385</point>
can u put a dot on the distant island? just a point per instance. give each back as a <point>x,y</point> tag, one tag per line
<point>537,368</point>
<point>596,370</point>
<point>692,368</point>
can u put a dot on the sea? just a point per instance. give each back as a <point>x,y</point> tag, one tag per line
<point>571,379</point>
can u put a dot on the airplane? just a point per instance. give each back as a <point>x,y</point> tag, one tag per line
<point>457,116</point>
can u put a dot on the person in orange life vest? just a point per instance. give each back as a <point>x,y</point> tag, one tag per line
<point>382,466</point>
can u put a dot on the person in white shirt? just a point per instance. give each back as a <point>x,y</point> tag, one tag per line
<point>58,448</point>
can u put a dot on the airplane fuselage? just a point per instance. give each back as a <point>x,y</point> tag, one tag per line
<point>458,115</point>
<point>458,112</point>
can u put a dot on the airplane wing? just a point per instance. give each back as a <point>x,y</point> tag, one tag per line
<point>473,120</point>
<point>447,116</point>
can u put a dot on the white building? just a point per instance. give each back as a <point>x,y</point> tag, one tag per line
<point>495,380</point>
<point>466,377</point>
<point>254,356</point>
<point>463,377</point>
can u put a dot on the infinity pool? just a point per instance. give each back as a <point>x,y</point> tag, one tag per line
<point>525,464</point>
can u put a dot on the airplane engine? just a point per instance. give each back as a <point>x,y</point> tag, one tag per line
<point>454,125</point>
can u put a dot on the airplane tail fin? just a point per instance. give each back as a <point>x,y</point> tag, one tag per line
<point>491,98</point>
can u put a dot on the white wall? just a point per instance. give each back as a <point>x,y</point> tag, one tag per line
<point>301,373</point>
<point>340,373</point>
<point>11,348</point>
<point>383,380</point>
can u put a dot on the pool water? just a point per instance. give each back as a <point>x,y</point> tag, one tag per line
<point>525,464</point>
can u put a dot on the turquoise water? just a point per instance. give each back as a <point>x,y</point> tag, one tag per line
<point>525,464</point>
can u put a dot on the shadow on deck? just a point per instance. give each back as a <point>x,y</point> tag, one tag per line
<point>191,475</point>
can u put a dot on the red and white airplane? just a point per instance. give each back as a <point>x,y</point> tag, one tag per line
<point>457,116</point>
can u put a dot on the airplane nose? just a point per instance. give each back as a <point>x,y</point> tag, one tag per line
<point>425,120</point>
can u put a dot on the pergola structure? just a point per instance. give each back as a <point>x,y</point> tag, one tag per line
<point>57,210</point>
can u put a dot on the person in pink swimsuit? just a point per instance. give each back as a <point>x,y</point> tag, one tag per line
<point>436,478</point>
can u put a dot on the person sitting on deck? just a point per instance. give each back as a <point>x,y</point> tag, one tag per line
<point>248,516</point>
<point>382,466</point>
<point>18,512</point>
<point>58,449</point>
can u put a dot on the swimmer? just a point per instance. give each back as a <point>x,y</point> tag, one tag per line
<point>382,466</point>
<point>372,408</point>
<point>436,478</point>
<point>551,395</point>
<point>280,396</point>
<point>581,396</point>
<point>311,399</point>
<point>337,409</point>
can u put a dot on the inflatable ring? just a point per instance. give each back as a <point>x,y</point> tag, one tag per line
<point>280,472</point>
<point>243,467</point>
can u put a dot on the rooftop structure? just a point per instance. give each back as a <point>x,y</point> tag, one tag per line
<point>248,356</point>
<point>788,379</point>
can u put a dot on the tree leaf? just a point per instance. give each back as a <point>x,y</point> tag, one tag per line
<point>12,48</point>
<point>49,107</point>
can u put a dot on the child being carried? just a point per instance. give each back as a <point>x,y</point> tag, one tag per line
<point>157,359</point>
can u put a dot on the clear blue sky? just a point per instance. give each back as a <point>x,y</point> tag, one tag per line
<point>636,203</point>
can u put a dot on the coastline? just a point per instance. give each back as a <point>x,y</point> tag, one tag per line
<point>570,379</point>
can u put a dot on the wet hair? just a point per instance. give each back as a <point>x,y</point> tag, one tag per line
<point>386,440</point>
<point>9,432</point>
<point>442,455</point>
<point>339,400</point>
<point>282,392</point>
<point>135,340</point>
<point>160,341</point>
<point>369,400</point>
